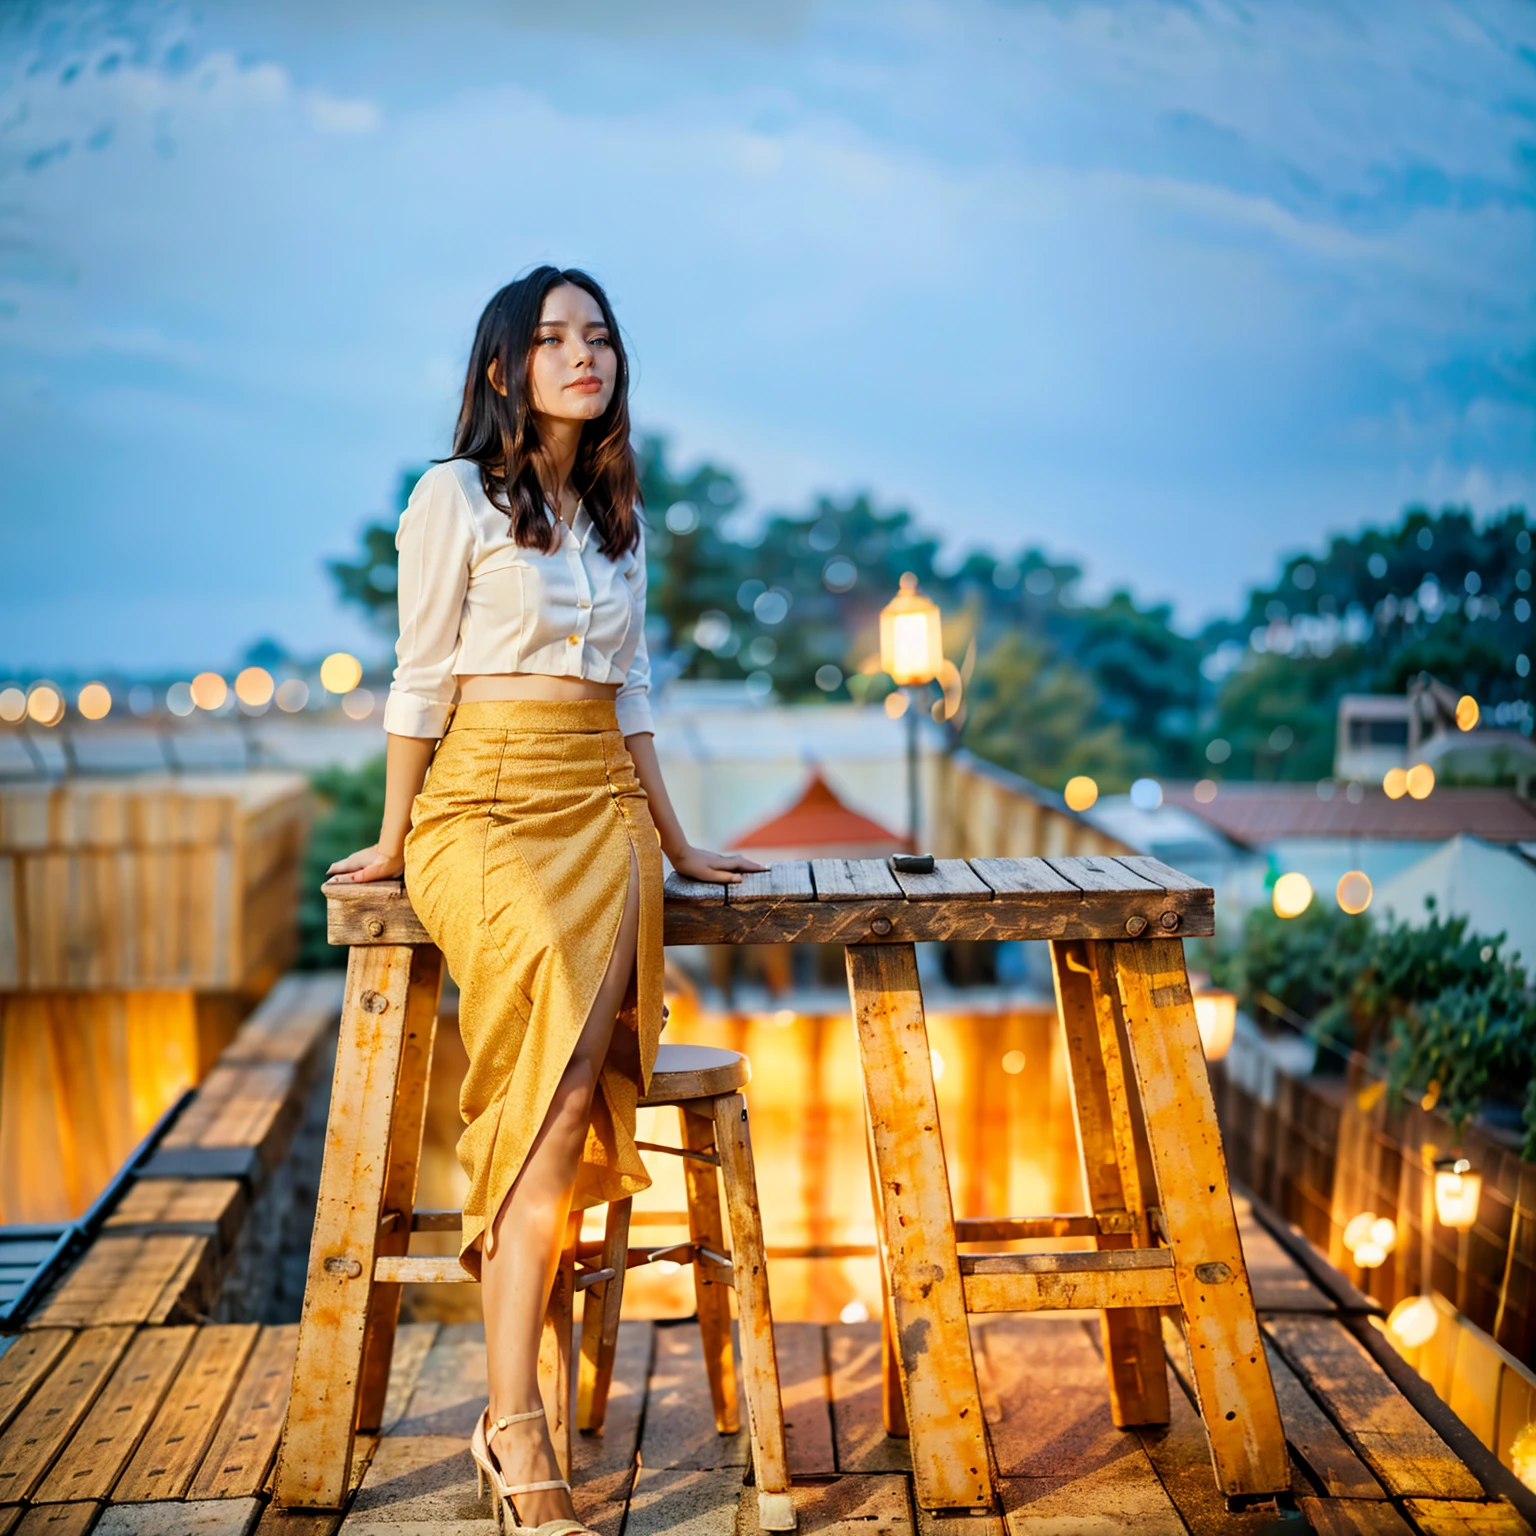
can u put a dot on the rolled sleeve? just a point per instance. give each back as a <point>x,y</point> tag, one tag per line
<point>632,704</point>
<point>436,544</point>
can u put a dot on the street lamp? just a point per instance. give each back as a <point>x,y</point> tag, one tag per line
<point>911,651</point>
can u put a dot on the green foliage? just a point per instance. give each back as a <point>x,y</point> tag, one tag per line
<point>1433,1004</point>
<point>369,581</point>
<point>351,810</point>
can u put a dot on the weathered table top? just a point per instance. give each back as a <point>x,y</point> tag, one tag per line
<point>865,901</point>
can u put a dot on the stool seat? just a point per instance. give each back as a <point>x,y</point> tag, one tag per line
<point>685,1072</point>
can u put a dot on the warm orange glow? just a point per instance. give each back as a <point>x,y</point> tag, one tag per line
<point>209,690</point>
<point>1421,781</point>
<point>1354,892</point>
<point>94,701</point>
<point>1467,712</point>
<point>895,705</point>
<point>1014,1063</point>
<point>358,704</point>
<point>340,672</point>
<point>1522,1456</point>
<point>45,704</point>
<point>1080,793</point>
<point>911,644</point>
<point>1413,1321</point>
<point>13,705</point>
<point>1358,1229</point>
<point>1293,895</point>
<point>254,687</point>
<point>1395,783</point>
<point>1458,1188</point>
<point>1216,1016</point>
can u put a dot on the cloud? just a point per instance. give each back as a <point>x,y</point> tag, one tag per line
<point>332,114</point>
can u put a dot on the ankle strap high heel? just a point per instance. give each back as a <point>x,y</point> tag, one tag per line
<point>503,1493</point>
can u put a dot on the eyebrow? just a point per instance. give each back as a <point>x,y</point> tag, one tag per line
<point>559,325</point>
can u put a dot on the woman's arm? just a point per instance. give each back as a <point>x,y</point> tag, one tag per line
<point>695,863</point>
<point>406,763</point>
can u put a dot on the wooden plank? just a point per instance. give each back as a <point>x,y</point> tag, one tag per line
<point>712,1300</point>
<point>854,1369</point>
<point>951,880</point>
<point>118,1280</point>
<point>50,1415</point>
<point>313,1463</point>
<point>854,880</point>
<point>1160,874</point>
<point>243,1447</point>
<point>10,1514</point>
<point>110,1432</point>
<point>789,881</point>
<point>1058,1451</point>
<point>1066,1291</point>
<point>1236,1396</point>
<point>450,1390</point>
<point>1112,1157</point>
<point>601,1307</point>
<point>1406,1455</point>
<point>413,1343</point>
<point>1279,1283</point>
<point>57,1520</point>
<point>674,1502</point>
<point>25,1363</point>
<point>1003,1229</point>
<point>801,1351</point>
<point>378,912</point>
<point>939,1387</point>
<point>419,1484</point>
<point>1025,878</point>
<point>695,893</point>
<point>1340,1517</point>
<point>1435,1517</point>
<point>759,1364</point>
<point>173,1448</point>
<point>680,1431</point>
<point>1101,873</point>
<point>604,1465</point>
<point>290,1020</point>
<point>210,1517</point>
<point>200,1207</point>
<point>855,1506</point>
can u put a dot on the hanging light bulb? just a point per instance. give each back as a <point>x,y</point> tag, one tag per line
<point>1458,1188</point>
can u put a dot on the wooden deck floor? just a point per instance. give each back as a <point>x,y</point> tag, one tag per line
<point>124,1431</point>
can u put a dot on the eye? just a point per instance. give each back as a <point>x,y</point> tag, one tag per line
<point>601,341</point>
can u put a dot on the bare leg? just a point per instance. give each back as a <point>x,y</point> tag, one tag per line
<point>523,1247</point>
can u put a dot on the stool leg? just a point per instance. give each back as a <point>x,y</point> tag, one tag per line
<point>421,1002</point>
<point>316,1454</point>
<point>893,1406</point>
<point>1112,1174</point>
<point>713,1300</point>
<point>600,1309</point>
<point>1236,1395</point>
<point>950,1464</point>
<point>555,1347</point>
<point>759,1362</point>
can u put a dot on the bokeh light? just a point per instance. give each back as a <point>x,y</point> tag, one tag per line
<point>1395,783</point>
<point>1370,1255</point>
<point>854,1312</point>
<point>1522,1456</point>
<point>1384,1233</point>
<point>1216,1019</point>
<point>45,704</point>
<point>1293,895</point>
<point>358,704</point>
<point>1205,791</point>
<point>1080,793</point>
<point>340,672</point>
<point>209,690</point>
<point>1421,781</point>
<point>178,699</point>
<point>1358,1229</point>
<point>94,701</point>
<point>1354,892</point>
<point>895,705</point>
<point>1467,712</point>
<point>292,694</point>
<point>938,1064</point>
<point>13,705</point>
<point>1146,794</point>
<point>1014,1063</point>
<point>254,687</point>
<point>1413,1321</point>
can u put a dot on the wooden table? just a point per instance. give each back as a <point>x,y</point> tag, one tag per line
<point>1161,1211</point>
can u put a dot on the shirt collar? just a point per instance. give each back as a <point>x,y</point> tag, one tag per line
<point>580,526</point>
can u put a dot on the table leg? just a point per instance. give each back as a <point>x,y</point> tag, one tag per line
<point>1236,1395</point>
<point>950,1464</point>
<point>316,1454</point>
<point>893,1410</point>
<point>1112,1178</point>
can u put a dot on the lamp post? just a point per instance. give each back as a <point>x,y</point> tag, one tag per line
<point>911,651</point>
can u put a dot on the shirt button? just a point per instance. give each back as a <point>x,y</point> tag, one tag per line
<point>583,604</point>
<point>575,639</point>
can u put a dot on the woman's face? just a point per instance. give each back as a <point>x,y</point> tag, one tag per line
<point>572,367</point>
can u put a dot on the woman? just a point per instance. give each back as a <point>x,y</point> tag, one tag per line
<point>532,849</point>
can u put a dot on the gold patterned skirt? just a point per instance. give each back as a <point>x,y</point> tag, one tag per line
<point>517,863</point>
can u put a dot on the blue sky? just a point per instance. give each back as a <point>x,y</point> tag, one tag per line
<point>1167,289</point>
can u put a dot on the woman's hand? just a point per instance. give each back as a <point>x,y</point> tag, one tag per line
<point>367,864</point>
<point>713,868</point>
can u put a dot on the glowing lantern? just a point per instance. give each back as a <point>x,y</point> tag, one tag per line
<point>340,673</point>
<point>1080,793</point>
<point>209,690</point>
<point>1467,712</point>
<point>1413,1321</point>
<point>1354,892</point>
<point>911,644</point>
<point>1292,895</point>
<point>1421,781</point>
<point>1216,1015</point>
<point>95,701</point>
<point>1395,783</point>
<point>1458,1188</point>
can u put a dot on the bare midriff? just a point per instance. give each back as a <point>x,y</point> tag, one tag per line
<point>483,687</point>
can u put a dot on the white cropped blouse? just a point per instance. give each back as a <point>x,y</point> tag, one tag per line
<point>472,600</point>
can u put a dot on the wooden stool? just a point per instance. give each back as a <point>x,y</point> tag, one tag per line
<point>365,1214</point>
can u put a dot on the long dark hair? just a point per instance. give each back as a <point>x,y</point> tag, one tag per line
<point>499,433</point>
